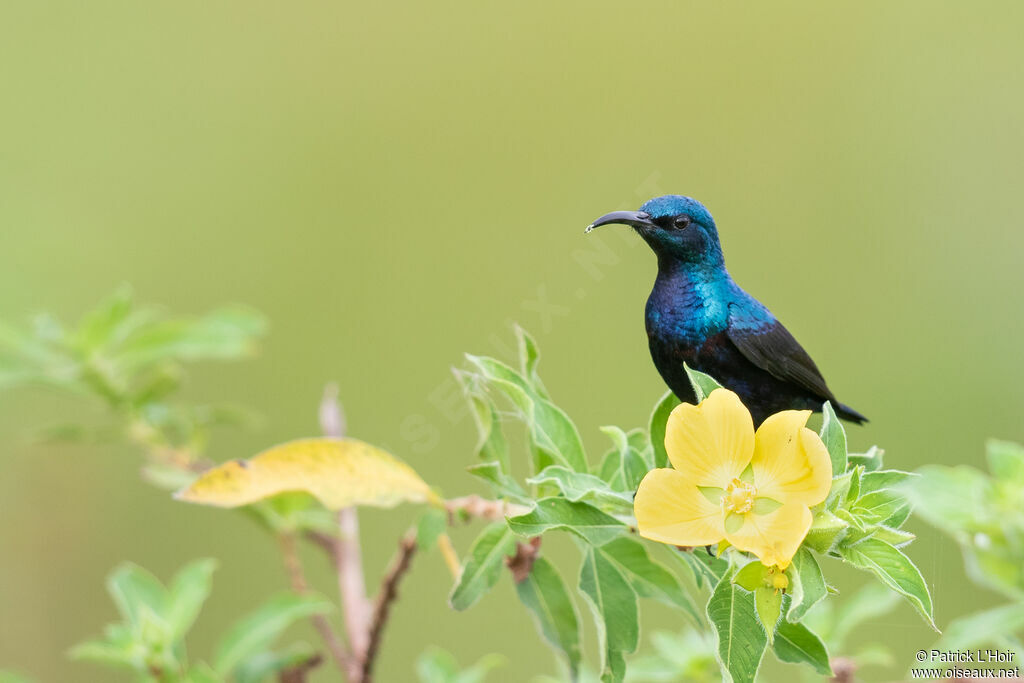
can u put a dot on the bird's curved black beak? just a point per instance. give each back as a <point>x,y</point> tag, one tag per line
<point>637,219</point>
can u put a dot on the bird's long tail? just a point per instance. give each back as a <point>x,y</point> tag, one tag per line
<point>849,414</point>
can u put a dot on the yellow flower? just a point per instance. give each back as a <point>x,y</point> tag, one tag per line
<point>754,490</point>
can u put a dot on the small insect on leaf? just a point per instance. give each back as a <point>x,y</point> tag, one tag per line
<point>338,472</point>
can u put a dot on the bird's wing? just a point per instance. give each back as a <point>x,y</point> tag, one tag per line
<point>767,344</point>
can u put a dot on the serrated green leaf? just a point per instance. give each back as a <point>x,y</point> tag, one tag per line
<point>188,591</point>
<point>871,460</point>
<point>551,430</point>
<point>826,530</point>
<point>702,384</point>
<point>878,506</point>
<point>529,357</point>
<point>258,630</point>
<point>768,605</point>
<point>580,518</point>
<point>613,603</point>
<point>502,484</point>
<point>807,584</point>
<point>741,640</point>
<point>650,579</point>
<point>840,490</point>
<point>483,565</point>
<point>544,593</point>
<point>895,537</point>
<point>884,479</point>
<point>134,589</point>
<point>834,436</point>
<point>895,570</point>
<point>657,425</point>
<point>577,486</point>
<point>491,445</point>
<point>632,465</point>
<point>797,644</point>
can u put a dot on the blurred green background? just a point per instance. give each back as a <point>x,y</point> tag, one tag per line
<point>392,184</point>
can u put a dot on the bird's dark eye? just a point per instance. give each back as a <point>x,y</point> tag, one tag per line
<point>681,222</point>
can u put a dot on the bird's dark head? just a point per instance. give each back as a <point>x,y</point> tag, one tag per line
<point>675,227</point>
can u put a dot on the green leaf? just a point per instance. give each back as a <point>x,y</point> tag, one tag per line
<point>884,479</point>
<point>97,326</point>
<point>580,518</point>
<point>871,461</point>
<point>797,644</point>
<point>529,357</point>
<point>189,590</point>
<point>656,427</point>
<point>135,589</point>
<point>263,665</point>
<point>983,628</point>
<point>483,565</point>
<point>431,525</point>
<point>895,570</point>
<point>896,537</point>
<point>439,666</point>
<point>632,466</point>
<point>613,603</point>
<point>751,576</point>
<point>123,653</point>
<point>807,584</point>
<point>741,640</point>
<point>878,506</point>
<point>202,673</point>
<point>1005,460</point>
<point>705,567</point>
<point>702,384</point>
<point>544,593</point>
<point>256,632</point>
<point>768,605</point>
<point>491,446</point>
<point>224,334</point>
<point>841,486</point>
<point>11,677</point>
<point>650,579</point>
<point>502,484</point>
<point>826,531</point>
<point>834,436</point>
<point>577,486</point>
<point>551,430</point>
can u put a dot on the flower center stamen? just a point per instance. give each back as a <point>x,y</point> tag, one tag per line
<point>739,497</point>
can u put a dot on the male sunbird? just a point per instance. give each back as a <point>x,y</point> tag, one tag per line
<point>697,315</point>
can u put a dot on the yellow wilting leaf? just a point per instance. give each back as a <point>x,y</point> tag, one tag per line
<point>338,472</point>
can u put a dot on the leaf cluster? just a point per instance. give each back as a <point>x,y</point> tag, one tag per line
<point>155,620</point>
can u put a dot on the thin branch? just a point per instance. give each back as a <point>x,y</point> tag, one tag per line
<point>347,552</point>
<point>482,508</point>
<point>385,598</point>
<point>297,578</point>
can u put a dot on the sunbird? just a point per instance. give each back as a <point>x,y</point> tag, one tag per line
<point>696,315</point>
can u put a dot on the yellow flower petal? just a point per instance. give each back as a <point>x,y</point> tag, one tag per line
<point>670,509</point>
<point>773,537</point>
<point>710,443</point>
<point>790,463</point>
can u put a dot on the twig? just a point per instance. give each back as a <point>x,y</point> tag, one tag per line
<point>482,508</point>
<point>387,595</point>
<point>843,670</point>
<point>297,578</point>
<point>347,552</point>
